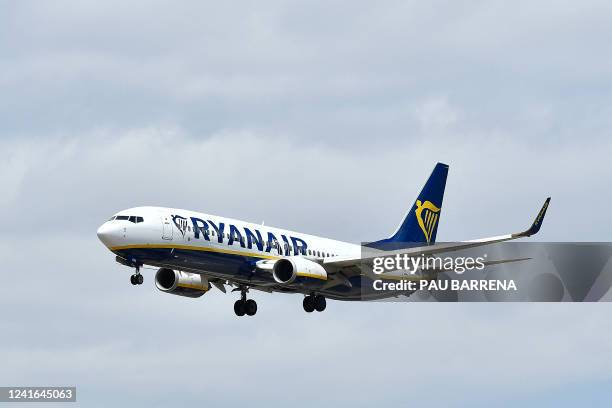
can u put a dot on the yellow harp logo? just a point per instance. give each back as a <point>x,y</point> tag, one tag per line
<point>427,215</point>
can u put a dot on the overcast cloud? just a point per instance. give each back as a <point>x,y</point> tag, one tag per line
<point>324,118</point>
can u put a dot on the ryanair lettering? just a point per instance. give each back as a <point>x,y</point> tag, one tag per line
<point>245,237</point>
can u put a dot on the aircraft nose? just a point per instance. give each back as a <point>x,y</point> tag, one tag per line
<point>107,234</point>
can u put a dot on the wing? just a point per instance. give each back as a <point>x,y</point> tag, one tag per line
<point>438,248</point>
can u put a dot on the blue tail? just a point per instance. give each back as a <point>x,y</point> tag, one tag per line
<point>421,223</point>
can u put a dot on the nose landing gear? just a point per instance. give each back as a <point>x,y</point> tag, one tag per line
<point>136,278</point>
<point>245,306</point>
<point>314,302</point>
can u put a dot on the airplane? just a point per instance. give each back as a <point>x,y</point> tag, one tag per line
<point>193,251</point>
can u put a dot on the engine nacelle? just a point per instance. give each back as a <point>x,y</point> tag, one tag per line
<point>181,283</point>
<point>287,270</point>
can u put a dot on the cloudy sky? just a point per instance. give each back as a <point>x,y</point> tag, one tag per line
<point>324,118</point>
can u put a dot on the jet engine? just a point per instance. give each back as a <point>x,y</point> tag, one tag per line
<point>181,283</point>
<point>287,270</point>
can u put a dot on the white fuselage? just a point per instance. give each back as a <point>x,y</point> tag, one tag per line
<point>237,237</point>
<point>214,246</point>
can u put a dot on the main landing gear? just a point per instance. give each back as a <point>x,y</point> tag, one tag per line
<point>136,278</point>
<point>314,302</point>
<point>245,306</point>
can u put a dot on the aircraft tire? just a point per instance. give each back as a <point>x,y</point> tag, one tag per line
<point>319,303</point>
<point>250,307</point>
<point>308,304</point>
<point>239,308</point>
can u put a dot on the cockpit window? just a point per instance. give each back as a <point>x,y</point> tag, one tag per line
<point>112,218</point>
<point>130,218</point>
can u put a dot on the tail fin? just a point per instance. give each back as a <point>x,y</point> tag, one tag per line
<point>421,223</point>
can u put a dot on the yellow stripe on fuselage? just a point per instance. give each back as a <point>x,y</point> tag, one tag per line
<point>193,248</point>
<point>207,249</point>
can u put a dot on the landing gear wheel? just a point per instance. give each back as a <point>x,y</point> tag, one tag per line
<point>136,278</point>
<point>243,305</point>
<point>319,303</point>
<point>250,307</point>
<point>239,307</point>
<point>308,304</point>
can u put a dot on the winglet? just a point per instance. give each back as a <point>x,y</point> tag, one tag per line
<point>537,223</point>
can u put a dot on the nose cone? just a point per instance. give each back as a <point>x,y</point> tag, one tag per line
<point>107,234</point>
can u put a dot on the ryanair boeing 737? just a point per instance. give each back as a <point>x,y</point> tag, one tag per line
<point>195,251</point>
